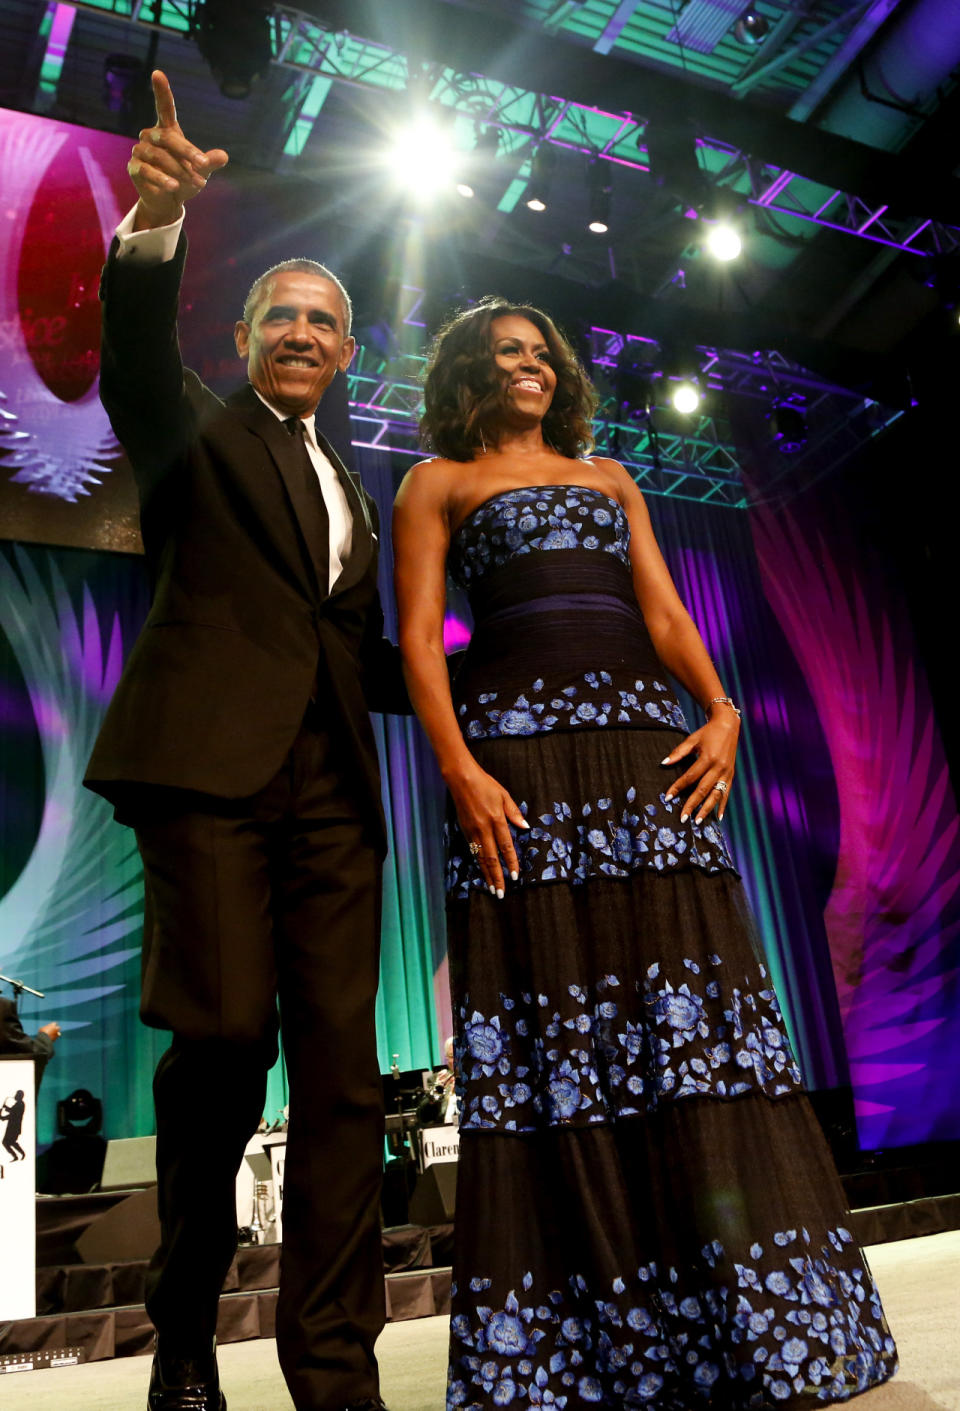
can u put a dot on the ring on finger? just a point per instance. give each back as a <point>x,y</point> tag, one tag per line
<point>475,848</point>
<point>720,787</point>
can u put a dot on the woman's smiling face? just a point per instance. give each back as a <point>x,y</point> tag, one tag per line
<point>523,357</point>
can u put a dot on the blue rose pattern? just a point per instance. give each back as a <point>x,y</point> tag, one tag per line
<point>606,837</point>
<point>543,518</point>
<point>537,517</point>
<point>792,1316</point>
<point>608,1051</point>
<point>590,698</point>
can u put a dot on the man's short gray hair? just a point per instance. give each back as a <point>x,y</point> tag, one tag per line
<point>304,266</point>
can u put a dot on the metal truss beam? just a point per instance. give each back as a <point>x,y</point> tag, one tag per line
<point>804,191</point>
<point>697,461</point>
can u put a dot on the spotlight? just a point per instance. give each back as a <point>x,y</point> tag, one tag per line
<point>124,80</point>
<point>685,397</point>
<point>671,147</point>
<point>80,1112</point>
<point>422,159</point>
<point>480,160</point>
<point>723,241</point>
<point>542,168</point>
<point>752,27</point>
<point>788,427</point>
<point>598,180</point>
<point>235,41</point>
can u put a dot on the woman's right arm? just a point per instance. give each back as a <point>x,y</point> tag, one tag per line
<point>421,538</point>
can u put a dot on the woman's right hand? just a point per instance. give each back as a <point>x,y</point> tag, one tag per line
<point>484,811</point>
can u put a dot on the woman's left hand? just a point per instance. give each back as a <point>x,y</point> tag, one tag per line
<point>715,748</point>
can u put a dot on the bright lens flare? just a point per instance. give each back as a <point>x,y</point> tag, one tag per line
<point>685,397</point>
<point>422,159</point>
<point>724,242</point>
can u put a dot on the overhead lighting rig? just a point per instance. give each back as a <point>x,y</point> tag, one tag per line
<point>600,190</point>
<point>236,42</point>
<point>542,167</point>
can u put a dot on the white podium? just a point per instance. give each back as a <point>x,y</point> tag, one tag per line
<point>18,1188</point>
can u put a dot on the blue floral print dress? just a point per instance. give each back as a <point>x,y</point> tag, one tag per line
<point>647,1212</point>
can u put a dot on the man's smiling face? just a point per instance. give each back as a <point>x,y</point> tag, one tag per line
<point>295,341</point>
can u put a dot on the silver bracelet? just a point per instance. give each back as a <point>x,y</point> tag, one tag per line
<point>725,700</point>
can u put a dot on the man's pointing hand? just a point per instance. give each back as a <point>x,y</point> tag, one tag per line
<point>165,167</point>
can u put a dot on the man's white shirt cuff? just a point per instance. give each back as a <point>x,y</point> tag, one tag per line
<point>147,247</point>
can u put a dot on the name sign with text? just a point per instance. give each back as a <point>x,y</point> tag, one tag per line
<point>439,1144</point>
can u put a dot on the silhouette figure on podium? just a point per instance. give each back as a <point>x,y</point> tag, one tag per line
<point>13,1111</point>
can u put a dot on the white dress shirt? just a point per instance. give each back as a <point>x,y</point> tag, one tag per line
<point>157,247</point>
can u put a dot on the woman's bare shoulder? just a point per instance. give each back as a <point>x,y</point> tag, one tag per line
<point>428,482</point>
<point>617,479</point>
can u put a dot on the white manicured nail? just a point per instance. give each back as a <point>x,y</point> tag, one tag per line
<point>500,893</point>
<point>684,817</point>
<point>665,761</point>
<point>515,876</point>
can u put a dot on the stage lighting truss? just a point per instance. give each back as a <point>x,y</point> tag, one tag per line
<point>688,458</point>
<point>527,119</point>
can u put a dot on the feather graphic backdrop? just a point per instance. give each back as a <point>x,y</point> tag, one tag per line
<point>893,916</point>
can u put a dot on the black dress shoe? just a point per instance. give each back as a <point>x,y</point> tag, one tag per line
<point>182,1381</point>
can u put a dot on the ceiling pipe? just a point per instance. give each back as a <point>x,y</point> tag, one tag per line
<point>913,55</point>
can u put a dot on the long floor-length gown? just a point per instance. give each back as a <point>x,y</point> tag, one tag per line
<point>647,1212</point>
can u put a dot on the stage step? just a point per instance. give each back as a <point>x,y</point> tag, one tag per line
<point>101,1333</point>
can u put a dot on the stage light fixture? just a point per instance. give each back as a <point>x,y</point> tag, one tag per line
<point>723,241</point>
<point>81,1112</point>
<point>685,397</point>
<point>598,182</point>
<point>422,159</point>
<point>788,427</point>
<point>124,80</point>
<point>480,160</point>
<point>235,41</point>
<point>752,27</point>
<point>542,167</point>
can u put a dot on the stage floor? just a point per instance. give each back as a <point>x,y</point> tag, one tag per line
<point>919,1281</point>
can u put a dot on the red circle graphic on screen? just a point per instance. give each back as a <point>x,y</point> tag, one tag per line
<point>59,273</point>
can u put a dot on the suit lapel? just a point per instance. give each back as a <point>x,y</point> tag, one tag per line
<point>363,539</point>
<point>247,406</point>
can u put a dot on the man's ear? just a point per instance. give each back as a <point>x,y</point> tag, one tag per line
<point>346,353</point>
<point>241,336</point>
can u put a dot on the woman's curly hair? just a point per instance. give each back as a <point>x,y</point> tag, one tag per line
<point>465,392</point>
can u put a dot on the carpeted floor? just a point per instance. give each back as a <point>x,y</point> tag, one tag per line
<point>919,1281</point>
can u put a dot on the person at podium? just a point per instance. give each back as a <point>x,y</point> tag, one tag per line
<point>15,1042</point>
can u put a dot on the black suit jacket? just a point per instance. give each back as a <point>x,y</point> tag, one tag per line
<point>217,684</point>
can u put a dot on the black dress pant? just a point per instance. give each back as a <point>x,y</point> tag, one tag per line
<point>276,895</point>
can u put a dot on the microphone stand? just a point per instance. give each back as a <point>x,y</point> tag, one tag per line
<point>18,988</point>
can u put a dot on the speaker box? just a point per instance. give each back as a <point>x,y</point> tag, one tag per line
<point>435,1195</point>
<point>128,1230</point>
<point>132,1161</point>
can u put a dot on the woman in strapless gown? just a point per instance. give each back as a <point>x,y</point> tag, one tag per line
<point>647,1212</point>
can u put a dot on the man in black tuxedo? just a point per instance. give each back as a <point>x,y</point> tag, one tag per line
<point>239,747</point>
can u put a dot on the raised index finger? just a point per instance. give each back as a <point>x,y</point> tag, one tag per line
<point>163,98</point>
